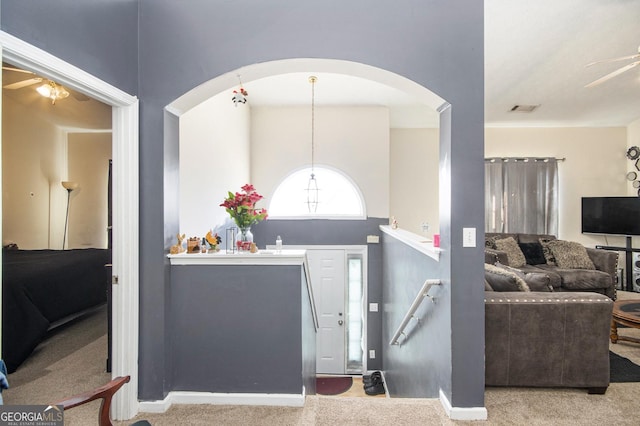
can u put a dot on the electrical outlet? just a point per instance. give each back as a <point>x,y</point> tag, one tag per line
<point>373,239</point>
<point>372,354</point>
<point>468,237</point>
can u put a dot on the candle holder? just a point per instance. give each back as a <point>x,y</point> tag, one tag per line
<point>231,241</point>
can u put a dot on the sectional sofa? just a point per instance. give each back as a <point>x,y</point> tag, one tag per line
<point>568,265</point>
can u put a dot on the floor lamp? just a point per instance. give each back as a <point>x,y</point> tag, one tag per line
<point>69,186</point>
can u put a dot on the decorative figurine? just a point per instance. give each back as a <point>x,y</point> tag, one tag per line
<point>193,245</point>
<point>213,240</point>
<point>394,223</point>
<point>239,96</point>
<point>178,247</point>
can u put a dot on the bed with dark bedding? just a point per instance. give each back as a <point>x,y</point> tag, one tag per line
<point>42,288</point>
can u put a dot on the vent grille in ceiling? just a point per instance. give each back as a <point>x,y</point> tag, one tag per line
<point>524,108</point>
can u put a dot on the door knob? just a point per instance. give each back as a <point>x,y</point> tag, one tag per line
<point>340,322</point>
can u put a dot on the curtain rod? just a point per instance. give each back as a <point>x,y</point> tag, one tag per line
<point>506,159</point>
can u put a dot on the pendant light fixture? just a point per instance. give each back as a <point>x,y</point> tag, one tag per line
<point>312,185</point>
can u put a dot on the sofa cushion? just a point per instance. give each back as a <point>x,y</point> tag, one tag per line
<point>583,279</point>
<point>537,280</point>
<point>512,249</point>
<point>554,278</point>
<point>570,255</point>
<point>501,279</point>
<point>533,253</point>
<point>548,255</point>
<point>487,286</point>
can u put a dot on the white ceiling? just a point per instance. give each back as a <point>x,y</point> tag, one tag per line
<point>76,112</point>
<point>535,54</point>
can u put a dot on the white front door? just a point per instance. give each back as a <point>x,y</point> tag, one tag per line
<point>328,278</point>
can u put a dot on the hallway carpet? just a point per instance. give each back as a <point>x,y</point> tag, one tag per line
<point>333,385</point>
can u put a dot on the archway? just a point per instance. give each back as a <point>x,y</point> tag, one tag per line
<point>230,149</point>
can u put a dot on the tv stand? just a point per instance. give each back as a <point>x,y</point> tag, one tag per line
<point>629,261</point>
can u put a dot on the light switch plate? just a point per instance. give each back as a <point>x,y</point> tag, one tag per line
<point>373,307</point>
<point>468,237</point>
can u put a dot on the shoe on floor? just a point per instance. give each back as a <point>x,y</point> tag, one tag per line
<point>373,377</point>
<point>374,389</point>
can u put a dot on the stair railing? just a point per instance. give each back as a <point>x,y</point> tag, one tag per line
<point>424,292</point>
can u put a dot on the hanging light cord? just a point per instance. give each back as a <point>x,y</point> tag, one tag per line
<point>312,80</point>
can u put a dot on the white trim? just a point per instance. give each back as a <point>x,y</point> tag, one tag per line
<point>423,245</point>
<point>257,71</point>
<point>462,413</point>
<point>125,203</point>
<point>212,398</point>
<point>262,257</point>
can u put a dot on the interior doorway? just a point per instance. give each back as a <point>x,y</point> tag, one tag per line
<point>125,259</point>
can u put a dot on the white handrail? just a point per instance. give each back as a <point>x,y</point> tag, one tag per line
<point>414,306</point>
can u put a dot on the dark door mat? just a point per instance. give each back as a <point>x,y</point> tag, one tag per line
<point>333,385</point>
<point>622,369</point>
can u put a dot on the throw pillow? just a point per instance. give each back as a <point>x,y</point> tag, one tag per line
<point>544,242</point>
<point>490,242</point>
<point>533,253</point>
<point>501,279</point>
<point>570,255</point>
<point>512,249</point>
<point>538,281</point>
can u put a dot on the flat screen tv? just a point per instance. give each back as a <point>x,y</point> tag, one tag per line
<point>611,215</point>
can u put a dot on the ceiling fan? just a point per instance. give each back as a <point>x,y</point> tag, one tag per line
<point>616,72</point>
<point>49,88</point>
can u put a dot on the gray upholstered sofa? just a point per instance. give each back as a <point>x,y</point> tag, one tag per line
<point>544,339</point>
<point>566,273</point>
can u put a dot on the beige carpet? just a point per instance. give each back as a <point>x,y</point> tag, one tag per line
<point>39,381</point>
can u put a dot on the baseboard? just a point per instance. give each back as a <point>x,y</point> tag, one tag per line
<point>462,413</point>
<point>186,397</point>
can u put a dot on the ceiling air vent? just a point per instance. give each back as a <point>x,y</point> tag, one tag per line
<point>524,108</point>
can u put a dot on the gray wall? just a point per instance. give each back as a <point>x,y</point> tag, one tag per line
<point>182,44</point>
<point>240,329</point>
<point>421,364</point>
<point>98,36</point>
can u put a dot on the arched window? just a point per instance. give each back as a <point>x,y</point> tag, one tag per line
<point>338,196</point>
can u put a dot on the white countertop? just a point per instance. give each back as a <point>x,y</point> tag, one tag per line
<point>262,257</point>
<point>418,242</point>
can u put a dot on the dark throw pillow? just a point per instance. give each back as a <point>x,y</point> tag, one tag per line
<point>533,253</point>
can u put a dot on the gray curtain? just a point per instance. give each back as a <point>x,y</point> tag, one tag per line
<point>521,195</point>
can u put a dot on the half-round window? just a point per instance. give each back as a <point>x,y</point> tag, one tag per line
<point>338,196</point>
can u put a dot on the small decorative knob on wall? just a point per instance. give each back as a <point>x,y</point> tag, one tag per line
<point>633,153</point>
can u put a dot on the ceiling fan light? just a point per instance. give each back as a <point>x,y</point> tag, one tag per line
<point>61,92</point>
<point>45,90</point>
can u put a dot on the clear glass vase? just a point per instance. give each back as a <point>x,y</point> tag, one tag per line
<point>245,238</point>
